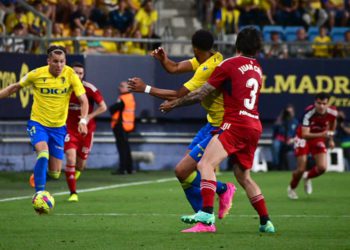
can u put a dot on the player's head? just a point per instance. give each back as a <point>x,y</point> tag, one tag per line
<point>79,69</point>
<point>123,87</point>
<point>56,59</point>
<point>248,41</point>
<point>321,102</point>
<point>202,41</point>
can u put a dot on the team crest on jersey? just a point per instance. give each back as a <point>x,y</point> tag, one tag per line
<point>44,79</point>
<point>63,80</point>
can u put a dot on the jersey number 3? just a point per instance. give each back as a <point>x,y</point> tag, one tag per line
<point>253,84</point>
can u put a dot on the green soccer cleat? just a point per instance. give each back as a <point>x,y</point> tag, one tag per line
<point>200,216</point>
<point>77,174</point>
<point>267,228</point>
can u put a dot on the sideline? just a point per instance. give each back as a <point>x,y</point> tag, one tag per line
<point>96,188</point>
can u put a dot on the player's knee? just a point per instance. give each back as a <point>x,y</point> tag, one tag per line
<point>321,169</point>
<point>54,174</point>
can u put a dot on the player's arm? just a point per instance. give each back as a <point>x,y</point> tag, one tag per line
<point>192,97</point>
<point>138,85</point>
<point>306,134</point>
<point>101,108</point>
<point>169,65</point>
<point>331,131</point>
<point>9,90</point>
<point>84,104</point>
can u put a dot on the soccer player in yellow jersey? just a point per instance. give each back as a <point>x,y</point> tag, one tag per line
<point>203,64</point>
<point>52,86</point>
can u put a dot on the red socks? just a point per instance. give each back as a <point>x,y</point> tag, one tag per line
<point>258,202</point>
<point>208,189</point>
<point>70,177</point>
<point>295,180</point>
<point>314,172</point>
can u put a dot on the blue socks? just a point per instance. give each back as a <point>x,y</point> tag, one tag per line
<point>192,190</point>
<point>40,168</point>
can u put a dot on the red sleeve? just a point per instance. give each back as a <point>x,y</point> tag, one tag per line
<point>218,77</point>
<point>97,96</point>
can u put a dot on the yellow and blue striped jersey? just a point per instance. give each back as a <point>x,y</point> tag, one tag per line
<point>52,94</point>
<point>213,103</point>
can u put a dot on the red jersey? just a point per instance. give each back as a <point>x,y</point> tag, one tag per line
<point>94,96</point>
<point>317,122</point>
<point>240,79</point>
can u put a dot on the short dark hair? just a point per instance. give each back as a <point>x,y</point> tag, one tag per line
<point>322,96</point>
<point>56,50</point>
<point>249,41</point>
<point>203,40</point>
<point>78,65</point>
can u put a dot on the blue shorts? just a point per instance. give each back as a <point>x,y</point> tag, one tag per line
<point>200,141</point>
<point>54,137</point>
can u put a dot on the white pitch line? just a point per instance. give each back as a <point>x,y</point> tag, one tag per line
<point>96,189</point>
<point>232,215</point>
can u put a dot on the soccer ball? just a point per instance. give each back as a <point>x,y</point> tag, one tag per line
<point>43,202</point>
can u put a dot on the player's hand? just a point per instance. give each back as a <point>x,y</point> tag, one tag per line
<point>331,144</point>
<point>136,84</point>
<point>82,129</point>
<point>166,106</point>
<point>159,54</point>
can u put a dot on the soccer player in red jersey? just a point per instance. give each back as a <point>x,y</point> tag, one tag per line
<point>318,123</point>
<point>240,79</point>
<point>76,146</point>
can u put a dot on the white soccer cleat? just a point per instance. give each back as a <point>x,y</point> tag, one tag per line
<point>292,194</point>
<point>307,184</point>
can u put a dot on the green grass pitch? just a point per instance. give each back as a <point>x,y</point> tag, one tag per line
<point>135,212</point>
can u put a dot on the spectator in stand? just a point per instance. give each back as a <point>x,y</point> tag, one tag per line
<point>313,13</point>
<point>79,17</point>
<point>145,20</point>
<point>346,49</point>
<point>109,47</point>
<point>232,15</point>
<point>321,44</point>
<point>134,47</point>
<point>77,46</point>
<point>249,12</point>
<point>276,48</point>
<point>219,16</point>
<point>301,47</point>
<point>342,48</point>
<point>36,25</point>
<point>134,5</point>
<point>287,13</point>
<point>338,16</point>
<point>284,131</point>
<point>268,7</point>
<point>122,18</point>
<point>342,137</point>
<point>57,32</point>
<point>99,14</point>
<point>19,16</point>
<point>17,45</point>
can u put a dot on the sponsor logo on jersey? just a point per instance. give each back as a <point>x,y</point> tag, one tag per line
<point>53,91</point>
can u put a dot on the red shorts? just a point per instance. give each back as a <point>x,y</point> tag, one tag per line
<point>241,143</point>
<point>313,146</point>
<point>82,144</point>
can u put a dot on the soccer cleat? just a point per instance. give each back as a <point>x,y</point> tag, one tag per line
<point>73,198</point>
<point>225,200</point>
<point>267,228</point>
<point>77,174</point>
<point>31,181</point>
<point>307,184</point>
<point>292,194</point>
<point>200,216</point>
<point>200,228</point>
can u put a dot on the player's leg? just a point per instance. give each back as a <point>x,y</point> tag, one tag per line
<point>255,196</point>
<point>296,176</point>
<point>41,165</point>
<point>213,155</point>
<point>186,172</point>
<point>81,165</point>
<point>319,169</point>
<point>39,139</point>
<point>71,155</point>
<point>56,149</point>
<point>83,152</point>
